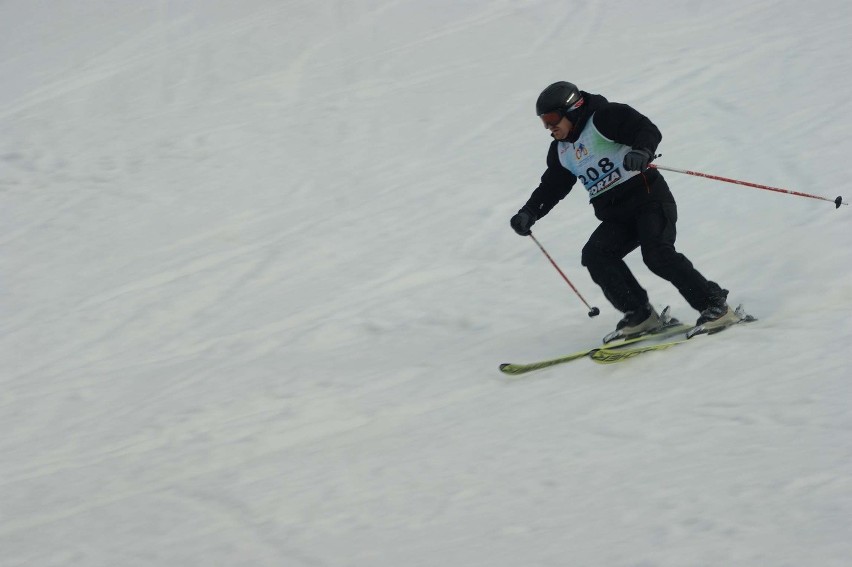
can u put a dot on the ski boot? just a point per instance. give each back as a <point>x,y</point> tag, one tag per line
<point>636,323</point>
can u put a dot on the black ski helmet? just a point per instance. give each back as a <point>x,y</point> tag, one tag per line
<point>558,96</point>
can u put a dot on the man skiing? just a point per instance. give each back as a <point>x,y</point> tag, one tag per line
<point>608,147</point>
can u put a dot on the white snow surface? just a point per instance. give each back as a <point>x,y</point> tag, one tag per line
<point>257,277</point>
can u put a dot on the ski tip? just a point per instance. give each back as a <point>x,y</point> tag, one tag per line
<point>513,370</point>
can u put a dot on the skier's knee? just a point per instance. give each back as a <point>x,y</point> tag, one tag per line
<point>659,259</point>
<point>592,255</point>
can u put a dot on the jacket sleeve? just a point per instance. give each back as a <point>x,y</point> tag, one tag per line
<point>556,183</point>
<point>625,125</point>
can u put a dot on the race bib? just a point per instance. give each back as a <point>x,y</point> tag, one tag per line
<point>595,160</point>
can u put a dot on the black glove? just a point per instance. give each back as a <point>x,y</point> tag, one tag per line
<point>522,222</point>
<point>637,159</point>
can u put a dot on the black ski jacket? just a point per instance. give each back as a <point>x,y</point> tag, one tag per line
<point>620,123</point>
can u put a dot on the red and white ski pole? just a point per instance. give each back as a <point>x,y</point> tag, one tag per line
<point>837,202</point>
<point>593,311</point>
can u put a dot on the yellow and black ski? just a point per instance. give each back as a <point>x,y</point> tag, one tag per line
<point>666,332</point>
<point>625,349</point>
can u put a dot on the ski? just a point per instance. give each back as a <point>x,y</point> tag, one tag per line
<point>624,349</point>
<point>672,329</point>
<point>607,355</point>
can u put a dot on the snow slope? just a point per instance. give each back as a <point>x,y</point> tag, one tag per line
<point>256,278</point>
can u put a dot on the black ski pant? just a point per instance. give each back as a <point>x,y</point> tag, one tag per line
<point>650,227</point>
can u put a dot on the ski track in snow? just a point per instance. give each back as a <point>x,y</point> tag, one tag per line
<point>257,278</point>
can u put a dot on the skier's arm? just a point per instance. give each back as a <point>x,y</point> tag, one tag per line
<point>625,125</point>
<point>556,183</point>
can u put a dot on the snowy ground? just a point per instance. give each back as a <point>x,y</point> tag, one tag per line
<point>256,278</point>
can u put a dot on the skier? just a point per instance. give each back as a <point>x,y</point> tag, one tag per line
<point>608,147</point>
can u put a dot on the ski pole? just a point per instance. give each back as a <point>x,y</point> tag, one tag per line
<point>837,202</point>
<point>593,311</point>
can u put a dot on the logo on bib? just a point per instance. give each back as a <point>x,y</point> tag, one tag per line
<point>605,183</point>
